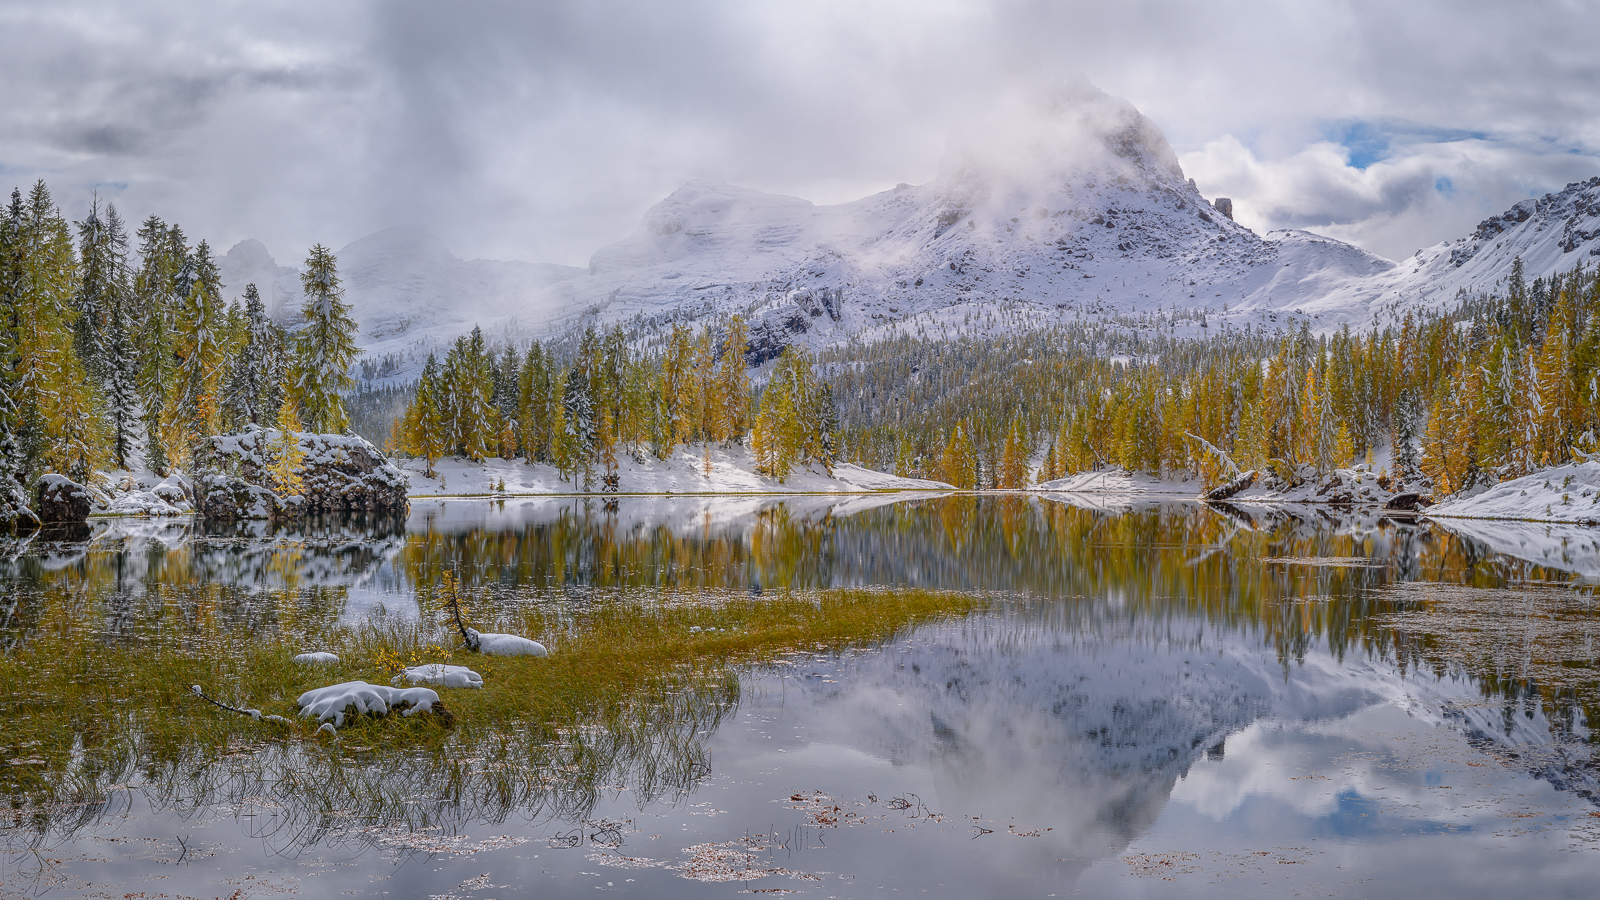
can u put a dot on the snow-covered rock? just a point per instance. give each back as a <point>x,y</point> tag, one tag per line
<point>334,702</point>
<point>318,658</point>
<point>1569,494</point>
<point>492,644</point>
<point>338,472</point>
<point>128,497</point>
<point>232,497</point>
<point>441,675</point>
<point>58,500</point>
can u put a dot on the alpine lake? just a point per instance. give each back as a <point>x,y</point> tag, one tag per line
<point>987,695</point>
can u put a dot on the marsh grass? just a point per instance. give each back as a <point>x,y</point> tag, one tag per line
<point>626,697</point>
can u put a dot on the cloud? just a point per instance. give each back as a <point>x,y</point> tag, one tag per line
<point>1419,194</point>
<point>543,131</point>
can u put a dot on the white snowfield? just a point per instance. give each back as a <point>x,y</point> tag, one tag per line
<point>360,698</point>
<point>1356,485</point>
<point>1569,494</point>
<point>732,472</point>
<point>1071,207</point>
<point>439,675</point>
<point>1120,481</point>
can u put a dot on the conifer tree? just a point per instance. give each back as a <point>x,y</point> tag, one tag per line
<point>103,284</point>
<point>192,401</point>
<point>1013,469</point>
<point>254,385</point>
<point>73,432</point>
<point>424,421</point>
<point>733,382</point>
<point>959,465</point>
<point>324,347</point>
<point>287,458</point>
<point>534,405</point>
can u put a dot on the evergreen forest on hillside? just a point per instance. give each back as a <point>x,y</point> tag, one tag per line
<point>118,347</point>
<point>109,347</point>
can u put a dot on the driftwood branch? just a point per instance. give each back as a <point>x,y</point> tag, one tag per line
<point>252,713</point>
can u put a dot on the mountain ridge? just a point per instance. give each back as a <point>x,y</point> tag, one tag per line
<point>1065,207</point>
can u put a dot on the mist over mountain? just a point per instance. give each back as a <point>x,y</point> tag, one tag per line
<point>1066,206</point>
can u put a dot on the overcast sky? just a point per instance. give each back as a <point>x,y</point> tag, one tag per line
<point>542,130</point>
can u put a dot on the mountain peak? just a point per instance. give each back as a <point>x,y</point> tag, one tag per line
<point>1057,137</point>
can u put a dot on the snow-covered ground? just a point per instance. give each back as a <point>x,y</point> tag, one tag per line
<point>1357,485</point>
<point>1121,481</point>
<point>732,472</point>
<point>1568,494</point>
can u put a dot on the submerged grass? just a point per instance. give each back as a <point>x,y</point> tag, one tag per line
<point>629,691</point>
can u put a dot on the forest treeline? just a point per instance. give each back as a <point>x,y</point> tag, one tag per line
<point>613,399</point>
<point>115,342</point>
<point>1499,385</point>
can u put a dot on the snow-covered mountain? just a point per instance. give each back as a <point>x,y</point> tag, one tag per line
<point>1075,207</point>
<point>1551,234</point>
<point>1070,206</point>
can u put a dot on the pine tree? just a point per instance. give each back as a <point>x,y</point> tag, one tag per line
<point>72,427</point>
<point>191,407</point>
<point>286,457</point>
<point>733,381</point>
<point>959,465</point>
<point>253,382</point>
<point>424,428</point>
<point>324,347</point>
<point>1013,469</point>
<point>103,284</point>
<point>160,249</point>
<point>534,405</point>
<point>120,369</point>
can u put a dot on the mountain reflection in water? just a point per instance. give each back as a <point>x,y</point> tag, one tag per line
<point>1131,650</point>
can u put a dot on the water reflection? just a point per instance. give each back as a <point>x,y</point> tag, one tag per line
<point>1144,655</point>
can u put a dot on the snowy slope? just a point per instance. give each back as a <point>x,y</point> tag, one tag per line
<point>1077,209</point>
<point>1551,234</point>
<point>1568,494</point>
<point>732,471</point>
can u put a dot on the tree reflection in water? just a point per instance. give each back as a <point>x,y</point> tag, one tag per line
<point>1072,564</point>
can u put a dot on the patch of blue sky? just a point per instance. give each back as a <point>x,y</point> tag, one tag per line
<point>1373,140</point>
<point>109,186</point>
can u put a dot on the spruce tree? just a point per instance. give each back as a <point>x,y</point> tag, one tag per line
<point>192,400</point>
<point>324,346</point>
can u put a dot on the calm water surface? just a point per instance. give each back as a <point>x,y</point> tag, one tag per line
<point>1161,700</point>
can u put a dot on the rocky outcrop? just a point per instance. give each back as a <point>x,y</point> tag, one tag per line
<point>58,500</point>
<point>231,497</point>
<point>1408,502</point>
<point>338,473</point>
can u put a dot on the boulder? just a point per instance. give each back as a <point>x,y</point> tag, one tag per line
<point>338,473</point>
<point>231,497</point>
<point>58,500</point>
<point>1408,502</point>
